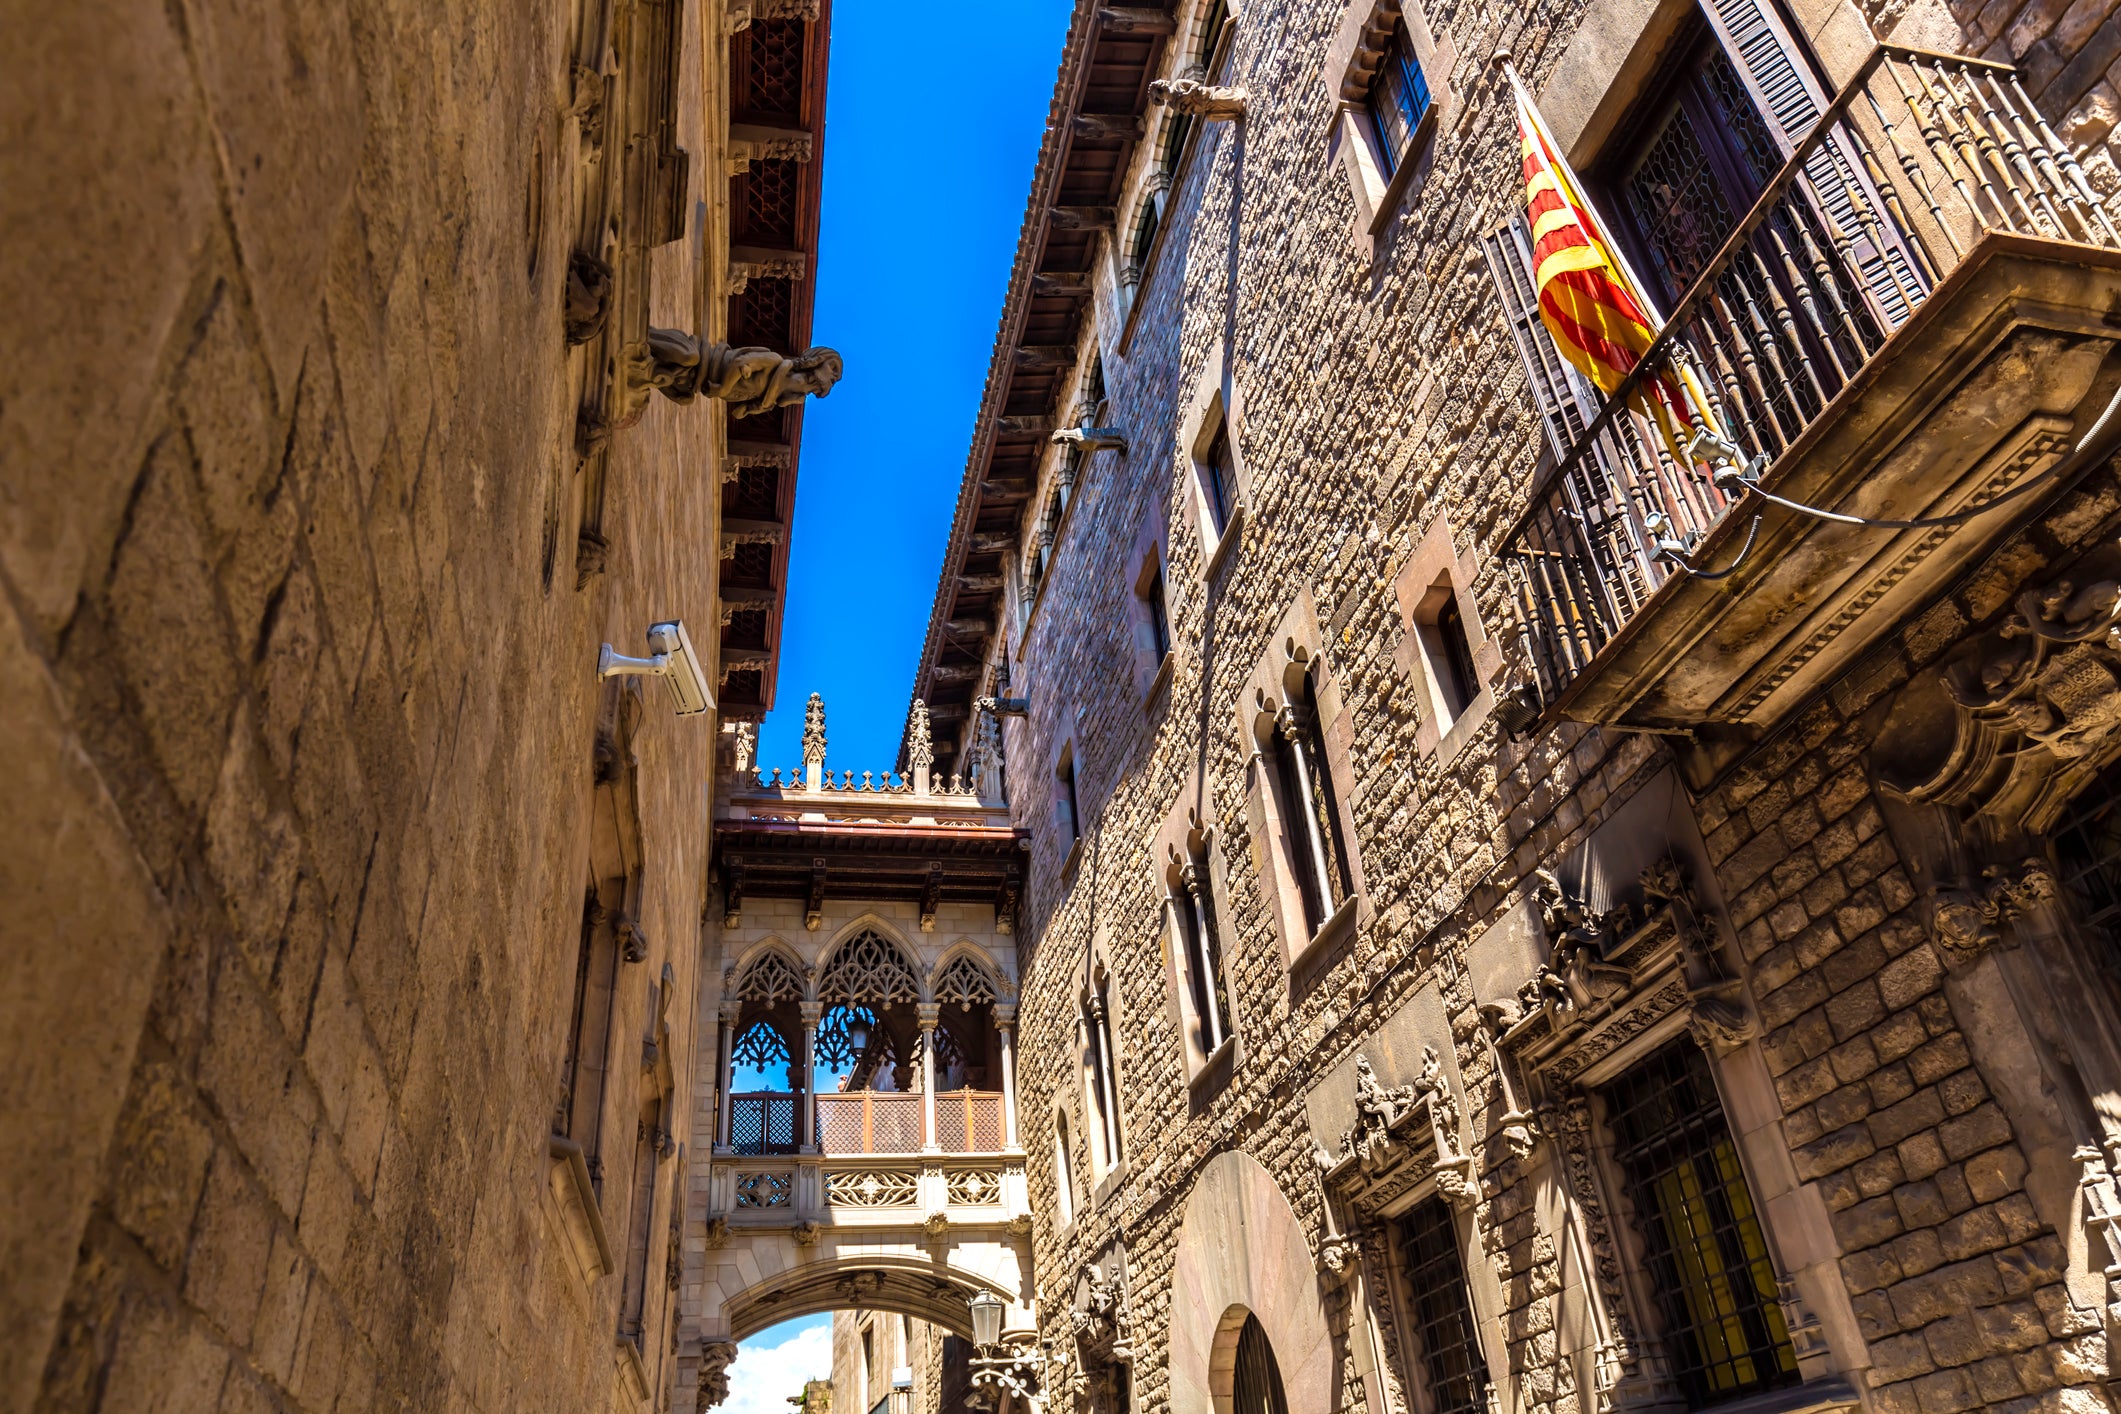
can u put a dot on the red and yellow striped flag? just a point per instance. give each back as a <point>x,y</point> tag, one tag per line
<point>1585,301</point>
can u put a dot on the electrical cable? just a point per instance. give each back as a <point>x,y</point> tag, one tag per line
<point>1730,478</point>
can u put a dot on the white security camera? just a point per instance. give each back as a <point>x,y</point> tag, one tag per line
<point>674,662</point>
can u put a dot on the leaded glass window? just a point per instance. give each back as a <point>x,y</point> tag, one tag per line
<point>1708,1257</point>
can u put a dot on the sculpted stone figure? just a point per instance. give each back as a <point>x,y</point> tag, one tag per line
<point>751,380</point>
<point>1199,100</point>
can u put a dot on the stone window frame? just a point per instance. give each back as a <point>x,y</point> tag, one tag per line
<point>1149,558</point>
<point>1406,1144</point>
<point>1189,832</point>
<point>1433,569</point>
<point>1108,1170</point>
<point>1296,647</point>
<point>1353,143</point>
<point>1214,404</point>
<point>1066,809</point>
<point>1643,982</point>
<point>1064,1180</point>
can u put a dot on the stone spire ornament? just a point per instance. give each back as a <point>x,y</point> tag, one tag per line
<point>814,741</point>
<point>920,747</point>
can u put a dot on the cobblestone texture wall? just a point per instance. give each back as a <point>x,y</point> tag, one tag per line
<point>299,746</point>
<point>1375,395</point>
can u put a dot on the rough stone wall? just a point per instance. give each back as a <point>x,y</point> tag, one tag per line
<point>299,745</point>
<point>1375,395</point>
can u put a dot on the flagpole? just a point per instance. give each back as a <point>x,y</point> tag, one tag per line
<point>1582,197</point>
<point>1580,200</point>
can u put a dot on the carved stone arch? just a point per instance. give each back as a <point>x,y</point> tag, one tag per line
<point>950,983</point>
<point>1242,1248</point>
<point>870,963</point>
<point>769,966</point>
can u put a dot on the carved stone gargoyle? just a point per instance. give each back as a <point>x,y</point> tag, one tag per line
<point>751,381</point>
<point>716,1356</point>
<point>1197,99</point>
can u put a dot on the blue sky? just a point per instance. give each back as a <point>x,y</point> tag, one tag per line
<point>923,200</point>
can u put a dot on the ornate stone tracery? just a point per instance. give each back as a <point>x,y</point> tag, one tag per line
<point>964,982</point>
<point>771,978</point>
<point>868,968</point>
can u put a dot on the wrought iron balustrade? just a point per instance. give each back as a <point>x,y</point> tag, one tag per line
<point>1916,161</point>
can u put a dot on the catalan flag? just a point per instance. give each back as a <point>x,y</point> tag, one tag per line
<point>1588,305</point>
<point>1599,319</point>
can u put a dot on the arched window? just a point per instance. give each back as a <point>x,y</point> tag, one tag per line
<point>1192,906</point>
<point>1256,1386</point>
<point>1305,789</point>
<point>868,968</point>
<point>1101,1079</point>
<point>1063,1171</point>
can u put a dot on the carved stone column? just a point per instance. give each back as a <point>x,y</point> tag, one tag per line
<point>726,1076</point>
<point>806,1140</point>
<point>1005,1024</point>
<point>930,1014</point>
<point>1294,723</point>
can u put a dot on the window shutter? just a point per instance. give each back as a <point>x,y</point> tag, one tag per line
<point>1791,98</point>
<point>1566,404</point>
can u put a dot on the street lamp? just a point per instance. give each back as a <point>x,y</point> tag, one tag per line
<point>1018,1369</point>
<point>986,1319</point>
<point>857,1033</point>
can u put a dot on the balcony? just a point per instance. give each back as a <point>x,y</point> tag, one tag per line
<point>868,1123</point>
<point>1911,321</point>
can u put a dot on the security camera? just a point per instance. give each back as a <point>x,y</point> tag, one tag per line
<point>674,662</point>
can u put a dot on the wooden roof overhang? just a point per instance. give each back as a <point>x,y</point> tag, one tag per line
<point>866,860</point>
<point>777,74</point>
<point>1098,116</point>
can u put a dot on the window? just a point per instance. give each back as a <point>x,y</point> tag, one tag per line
<point>1724,1332</point>
<point>2088,851</point>
<point>1101,1082</point>
<point>1218,478</point>
<point>1256,1385</point>
<point>647,1143</point>
<point>1070,813</point>
<point>1306,797</point>
<point>1063,1171</point>
<point>1399,100</point>
<point>1159,614</point>
<point>1437,1308</point>
<point>1446,652</point>
<point>1094,393</point>
<point>1193,918</point>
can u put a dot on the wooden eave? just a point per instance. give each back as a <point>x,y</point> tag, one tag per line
<point>1105,71</point>
<point>786,428</point>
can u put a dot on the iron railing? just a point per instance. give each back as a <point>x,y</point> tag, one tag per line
<point>1910,165</point>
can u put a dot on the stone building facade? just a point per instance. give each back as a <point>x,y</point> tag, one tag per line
<point>352,945</point>
<point>1516,917</point>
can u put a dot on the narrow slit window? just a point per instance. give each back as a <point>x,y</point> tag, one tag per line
<point>1159,615</point>
<point>1452,657</point>
<point>1399,100</point>
<point>1218,479</point>
<point>1724,1332</point>
<point>1072,818</point>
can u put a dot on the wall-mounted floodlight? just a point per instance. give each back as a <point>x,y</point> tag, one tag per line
<point>674,662</point>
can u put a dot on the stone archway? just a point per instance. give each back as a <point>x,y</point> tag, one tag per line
<point>1242,1249</point>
